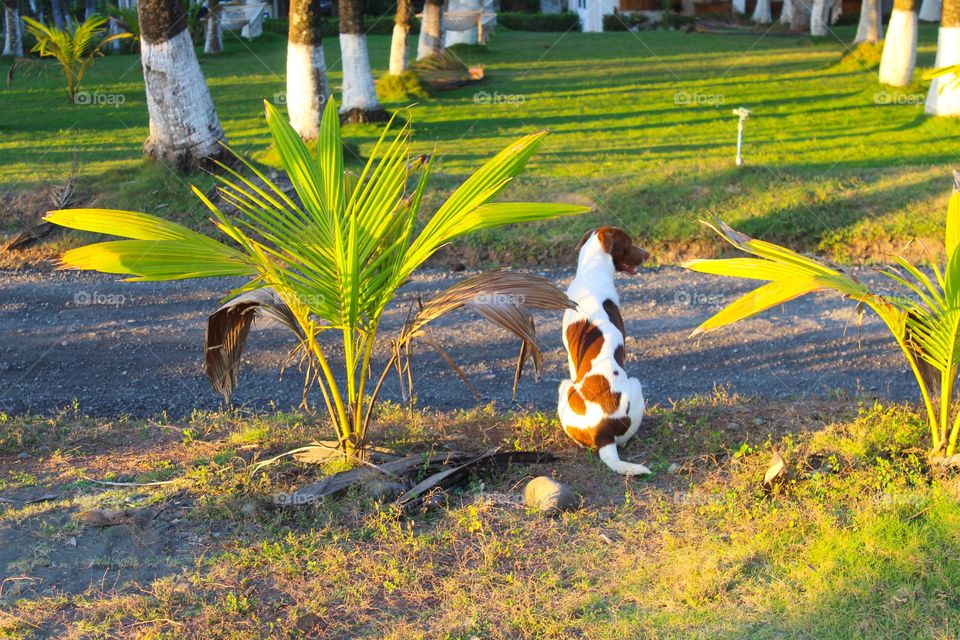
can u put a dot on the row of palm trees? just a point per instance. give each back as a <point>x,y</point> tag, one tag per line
<point>184,127</point>
<point>899,56</point>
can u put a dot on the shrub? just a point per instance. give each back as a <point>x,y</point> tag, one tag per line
<point>564,21</point>
<point>626,22</point>
<point>405,87</point>
<point>864,57</point>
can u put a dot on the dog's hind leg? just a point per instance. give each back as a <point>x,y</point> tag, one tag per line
<point>610,455</point>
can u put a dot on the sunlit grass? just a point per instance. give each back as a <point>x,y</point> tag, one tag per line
<point>641,127</point>
<point>857,540</point>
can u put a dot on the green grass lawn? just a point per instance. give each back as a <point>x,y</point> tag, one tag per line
<point>859,540</point>
<point>641,127</point>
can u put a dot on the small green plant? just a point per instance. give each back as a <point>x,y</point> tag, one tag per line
<point>925,321</point>
<point>406,86</point>
<point>74,49</point>
<point>330,260</point>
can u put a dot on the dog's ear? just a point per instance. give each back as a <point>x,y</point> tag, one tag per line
<point>584,239</point>
<point>609,237</point>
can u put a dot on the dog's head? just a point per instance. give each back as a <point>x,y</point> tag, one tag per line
<point>616,242</point>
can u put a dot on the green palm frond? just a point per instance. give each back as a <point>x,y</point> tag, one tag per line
<point>925,322</point>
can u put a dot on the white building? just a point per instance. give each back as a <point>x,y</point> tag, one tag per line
<point>591,12</point>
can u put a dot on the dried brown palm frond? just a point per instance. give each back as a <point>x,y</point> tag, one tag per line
<point>504,298</point>
<point>444,71</point>
<point>227,330</point>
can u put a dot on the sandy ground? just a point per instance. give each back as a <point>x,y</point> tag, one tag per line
<point>117,348</point>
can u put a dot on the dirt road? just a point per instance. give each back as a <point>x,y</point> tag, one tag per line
<point>136,348</point>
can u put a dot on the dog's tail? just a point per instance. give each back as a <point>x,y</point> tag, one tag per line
<point>608,453</point>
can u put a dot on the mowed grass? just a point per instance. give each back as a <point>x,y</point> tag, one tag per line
<point>858,539</point>
<point>641,127</point>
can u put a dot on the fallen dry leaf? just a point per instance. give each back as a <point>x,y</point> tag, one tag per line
<point>775,470</point>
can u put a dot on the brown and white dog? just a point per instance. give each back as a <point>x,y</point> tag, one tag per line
<point>600,406</point>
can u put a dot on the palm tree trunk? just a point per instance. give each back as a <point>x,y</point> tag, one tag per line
<point>359,102</point>
<point>761,13</point>
<point>58,15</point>
<point>870,28</point>
<point>307,86</point>
<point>786,12</point>
<point>900,47</point>
<point>184,128</point>
<point>818,18</point>
<point>944,96</point>
<point>800,15</point>
<point>213,38</point>
<point>13,42</point>
<point>401,36</point>
<point>431,30</point>
<point>930,11</point>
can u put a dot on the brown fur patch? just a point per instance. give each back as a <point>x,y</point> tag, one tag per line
<point>613,312</point>
<point>575,401</point>
<point>604,433</point>
<point>597,389</point>
<point>584,341</point>
<point>619,355</point>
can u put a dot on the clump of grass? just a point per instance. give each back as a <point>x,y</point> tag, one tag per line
<point>864,57</point>
<point>405,87</point>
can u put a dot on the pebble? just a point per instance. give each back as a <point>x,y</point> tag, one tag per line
<point>548,496</point>
<point>673,469</point>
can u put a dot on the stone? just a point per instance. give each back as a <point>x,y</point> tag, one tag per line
<point>549,496</point>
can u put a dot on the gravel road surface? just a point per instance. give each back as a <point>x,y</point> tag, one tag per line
<point>136,349</point>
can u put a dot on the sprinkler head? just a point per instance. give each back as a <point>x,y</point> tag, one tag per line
<point>742,112</point>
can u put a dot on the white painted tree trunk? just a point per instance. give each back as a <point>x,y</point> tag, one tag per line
<point>946,102</point>
<point>431,31</point>
<point>761,13</point>
<point>930,11</point>
<point>398,49</point>
<point>307,88</point>
<point>213,35</point>
<point>184,127</point>
<point>13,42</point>
<point>899,49</point>
<point>359,91</point>
<point>870,27</point>
<point>818,22</point>
<point>786,12</point>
